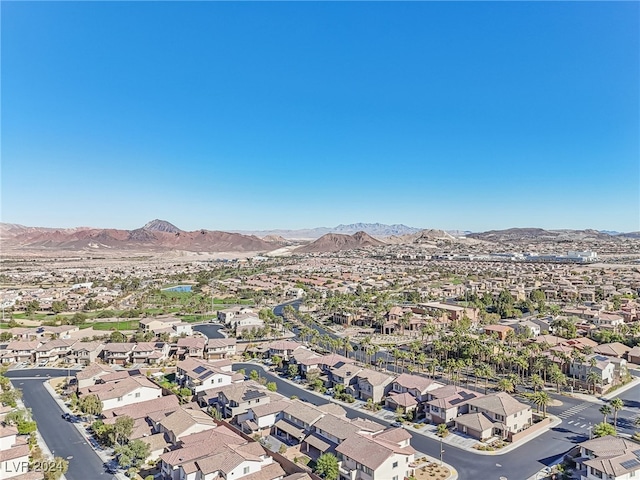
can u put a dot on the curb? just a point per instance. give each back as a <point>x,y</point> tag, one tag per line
<point>555,421</point>
<point>41,443</point>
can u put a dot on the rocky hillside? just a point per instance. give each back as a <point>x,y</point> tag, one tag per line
<point>157,235</point>
<point>334,242</point>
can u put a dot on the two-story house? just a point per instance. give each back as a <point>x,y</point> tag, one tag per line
<point>608,457</point>
<point>118,353</point>
<point>237,398</point>
<point>123,391</point>
<point>14,453</point>
<point>283,348</point>
<point>199,375</point>
<point>497,415</point>
<point>191,347</point>
<point>150,352</point>
<point>19,351</point>
<point>409,392</point>
<point>446,403</point>
<point>183,422</point>
<point>85,353</point>
<point>218,348</point>
<point>331,430</point>
<point>343,374</point>
<point>261,418</point>
<point>296,422</point>
<point>218,453</point>
<point>383,456</point>
<point>53,350</point>
<point>372,384</point>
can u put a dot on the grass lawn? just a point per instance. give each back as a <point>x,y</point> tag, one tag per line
<point>122,325</point>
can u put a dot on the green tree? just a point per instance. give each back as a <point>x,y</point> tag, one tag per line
<point>58,306</point>
<point>132,454</point>
<point>253,375</point>
<point>603,429</point>
<point>442,430</point>
<point>272,386</point>
<point>32,307</point>
<point>122,429</point>
<point>327,466</point>
<point>292,370</point>
<point>10,397</point>
<point>56,469</point>
<point>90,405</point>
<point>117,337</point>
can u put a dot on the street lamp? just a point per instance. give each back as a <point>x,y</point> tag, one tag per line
<point>441,451</point>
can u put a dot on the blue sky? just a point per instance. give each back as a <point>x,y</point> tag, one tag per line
<point>222,115</point>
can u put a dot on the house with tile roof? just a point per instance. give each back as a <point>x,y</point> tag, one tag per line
<point>191,347</point>
<point>183,422</point>
<point>14,454</point>
<point>199,375</point>
<point>219,454</point>
<point>85,353</point>
<point>494,415</point>
<point>218,348</point>
<point>384,456</point>
<point>54,350</point>
<point>261,418</point>
<point>610,457</point>
<point>118,353</point>
<point>123,391</point>
<point>371,384</point>
<point>90,374</point>
<point>445,404</point>
<point>237,398</point>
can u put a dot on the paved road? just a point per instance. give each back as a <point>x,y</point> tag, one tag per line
<point>210,330</point>
<point>62,437</point>
<point>518,464</point>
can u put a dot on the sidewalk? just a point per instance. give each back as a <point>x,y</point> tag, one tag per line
<point>102,454</point>
<point>455,439</point>
<point>606,397</point>
<point>41,443</point>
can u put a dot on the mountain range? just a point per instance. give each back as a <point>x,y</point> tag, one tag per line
<point>374,229</point>
<point>160,235</point>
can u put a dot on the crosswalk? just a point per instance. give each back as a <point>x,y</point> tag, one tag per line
<point>578,423</point>
<point>570,412</point>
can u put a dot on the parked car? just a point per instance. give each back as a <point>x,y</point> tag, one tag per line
<point>396,424</point>
<point>66,416</point>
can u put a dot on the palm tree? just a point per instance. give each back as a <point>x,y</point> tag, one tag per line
<point>505,385</point>
<point>541,399</point>
<point>593,378</point>
<point>346,344</point>
<point>557,377</point>
<point>606,411</point>
<point>396,356</point>
<point>616,404</point>
<point>485,370</point>
<point>536,382</point>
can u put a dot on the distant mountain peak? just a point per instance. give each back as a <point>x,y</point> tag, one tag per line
<point>161,226</point>
<point>333,242</point>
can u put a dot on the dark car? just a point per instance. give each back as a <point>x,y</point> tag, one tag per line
<point>111,468</point>
<point>66,416</point>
